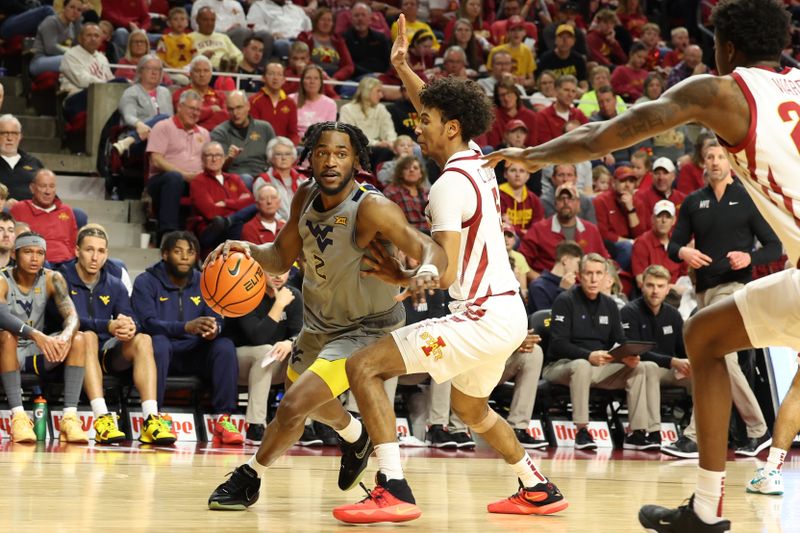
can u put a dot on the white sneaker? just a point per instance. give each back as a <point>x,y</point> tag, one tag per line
<point>766,482</point>
<point>410,442</point>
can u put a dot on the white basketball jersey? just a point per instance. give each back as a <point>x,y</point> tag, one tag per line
<point>483,265</point>
<point>768,159</point>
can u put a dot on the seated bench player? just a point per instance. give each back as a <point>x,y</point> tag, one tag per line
<point>110,332</point>
<point>25,290</point>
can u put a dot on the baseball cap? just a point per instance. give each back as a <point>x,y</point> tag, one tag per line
<point>565,28</point>
<point>665,163</point>
<point>567,188</point>
<point>515,22</point>
<point>515,125</point>
<point>624,172</point>
<point>508,228</point>
<point>664,205</point>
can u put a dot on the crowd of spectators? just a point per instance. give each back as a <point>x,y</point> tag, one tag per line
<point>221,135</point>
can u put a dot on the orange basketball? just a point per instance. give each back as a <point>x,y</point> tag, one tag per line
<point>233,287</point>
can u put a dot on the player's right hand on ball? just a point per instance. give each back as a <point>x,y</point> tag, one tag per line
<point>226,248</point>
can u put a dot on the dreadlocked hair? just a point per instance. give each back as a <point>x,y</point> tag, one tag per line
<point>358,140</point>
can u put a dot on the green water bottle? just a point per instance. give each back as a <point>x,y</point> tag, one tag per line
<point>40,414</point>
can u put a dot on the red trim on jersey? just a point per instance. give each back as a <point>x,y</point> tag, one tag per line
<point>786,70</point>
<point>478,204</point>
<point>476,155</point>
<point>482,264</point>
<point>750,153</point>
<point>751,131</point>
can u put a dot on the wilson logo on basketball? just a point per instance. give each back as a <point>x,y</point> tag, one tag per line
<point>433,346</point>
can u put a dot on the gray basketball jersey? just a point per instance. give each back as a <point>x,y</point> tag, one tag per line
<point>335,296</point>
<point>28,307</point>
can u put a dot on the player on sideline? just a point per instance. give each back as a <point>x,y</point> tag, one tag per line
<point>332,222</point>
<point>754,108</point>
<point>488,320</point>
<point>25,291</point>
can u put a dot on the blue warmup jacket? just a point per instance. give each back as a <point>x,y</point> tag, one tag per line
<point>97,307</point>
<point>163,308</point>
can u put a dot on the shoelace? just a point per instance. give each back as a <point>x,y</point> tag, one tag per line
<point>374,494</point>
<point>227,426</point>
<point>235,482</point>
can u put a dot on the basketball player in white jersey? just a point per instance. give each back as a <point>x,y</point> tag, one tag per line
<point>754,108</point>
<point>488,320</point>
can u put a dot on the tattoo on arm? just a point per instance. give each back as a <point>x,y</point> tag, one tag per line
<point>65,305</point>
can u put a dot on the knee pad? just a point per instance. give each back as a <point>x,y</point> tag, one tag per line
<point>487,423</point>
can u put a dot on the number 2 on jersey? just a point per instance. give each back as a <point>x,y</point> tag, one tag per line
<point>786,110</point>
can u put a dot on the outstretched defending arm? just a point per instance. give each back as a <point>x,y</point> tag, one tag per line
<point>711,101</point>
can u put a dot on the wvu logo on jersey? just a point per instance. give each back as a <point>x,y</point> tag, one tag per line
<point>27,306</point>
<point>195,300</point>
<point>433,346</point>
<point>105,299</point>
<point>320,233</point>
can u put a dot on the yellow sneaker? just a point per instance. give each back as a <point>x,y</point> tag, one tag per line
<point>156,431</point>
<point>71,430</point>
<point>106,430</point>
<point>22,428</point>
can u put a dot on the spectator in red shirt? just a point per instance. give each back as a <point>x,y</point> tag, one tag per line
<point>601,40</point>
<point>632,17</point>
<point>328,50</point>
<point>642,165</point>
<point>50,217</point>
<point>264,227</point>
<point>650,248</point>
<point>680,40</point>
<point>661,189</point>
<point>651,37</point>
<point>551,120</point>
<point>272,104</point>
<point>213,111</point>
<point>628,79</point>
<point>508,107</point>
<point>125,17</point>
<point>519,206</point>
<point>692,175</point>
<point>221,199</point>
<point>539,243</point>
<point>619,217</point>
<point>299,58</point>
<point>407,191</point>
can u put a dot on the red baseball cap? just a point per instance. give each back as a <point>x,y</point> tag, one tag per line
<point>516,124</point>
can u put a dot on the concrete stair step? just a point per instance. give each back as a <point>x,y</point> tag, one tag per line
<point>11,84</point>
<point>103,211</point>
<point>80,188</point>
<point>136,259</point>
<point>69,164</point>
<point>16,105</point>
<point>123,234</point>
<point>38,127</point>
<point>40,144</point>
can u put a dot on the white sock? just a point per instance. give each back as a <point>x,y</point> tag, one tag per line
<point>149,407</point>
<point>351,431</point>
<point>775,459</point>
<point>258,467</point>
<point>18,409</point>
<point>389,460</point>
<point>527,472</point>
<point>99,407</point>
<point>71,411</point>
<point>708,495</point>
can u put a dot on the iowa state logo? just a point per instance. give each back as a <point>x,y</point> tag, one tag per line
<point>433,346</point>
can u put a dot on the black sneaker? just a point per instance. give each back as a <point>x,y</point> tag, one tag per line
<point>326,434</point>
<point>238,493</point>
<point>684,448</point>
<point>529,442</point>
<point>681,520</point>
<point>463,440</point>
<point>755,446</point>
<point>653,440</point>
<point>309,437</point>
<point>584,441</point>
<point>437,437</point>
<point>255,432</point>
<point>635,440</point>
<point>355,457</point>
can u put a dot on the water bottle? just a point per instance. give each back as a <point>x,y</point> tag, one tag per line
<point>40,416</point>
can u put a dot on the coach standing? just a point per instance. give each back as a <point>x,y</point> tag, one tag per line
<point>724,223</point>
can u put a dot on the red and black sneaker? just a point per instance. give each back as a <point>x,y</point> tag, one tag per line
<point>543,498</point>
<point>390,501</point>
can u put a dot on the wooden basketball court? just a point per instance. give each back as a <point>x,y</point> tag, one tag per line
<point>132,487</point>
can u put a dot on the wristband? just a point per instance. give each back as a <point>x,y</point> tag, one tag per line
<point>427,268</point>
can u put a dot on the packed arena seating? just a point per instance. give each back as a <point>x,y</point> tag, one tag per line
<point>253,76</point>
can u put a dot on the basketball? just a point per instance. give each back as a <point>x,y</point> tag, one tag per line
<point>233,287</point>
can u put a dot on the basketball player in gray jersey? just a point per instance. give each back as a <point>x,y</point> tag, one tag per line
<point>332,222</point>
<point>25,290</point>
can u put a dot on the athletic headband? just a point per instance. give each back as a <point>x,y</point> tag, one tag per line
<point>30,240</point>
